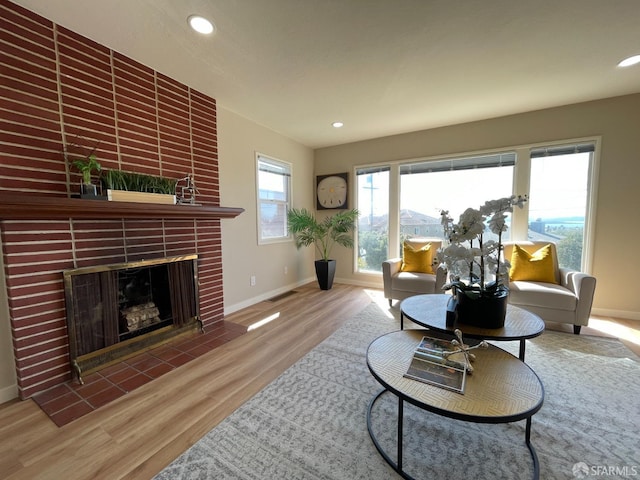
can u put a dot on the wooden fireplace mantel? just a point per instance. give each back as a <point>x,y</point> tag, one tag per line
<point>24,206</point>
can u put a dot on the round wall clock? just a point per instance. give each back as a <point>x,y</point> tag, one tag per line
<point>331,191</point>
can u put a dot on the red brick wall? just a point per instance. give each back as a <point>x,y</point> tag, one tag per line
<point>58,88</point>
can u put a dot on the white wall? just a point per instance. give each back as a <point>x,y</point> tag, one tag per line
<point>238,140</point>
<point>8,385</point>
<point>616,120</point>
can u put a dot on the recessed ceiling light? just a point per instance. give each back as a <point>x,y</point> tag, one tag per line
<point>200,24</point>
<point>627,62</point>
<point>337,124</point>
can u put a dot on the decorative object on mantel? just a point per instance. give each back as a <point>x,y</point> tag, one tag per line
<point>139,197</point>
<point>122,186</point>
<point>478,275</point>
<point>186,193</point>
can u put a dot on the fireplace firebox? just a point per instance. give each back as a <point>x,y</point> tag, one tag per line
<point>115,311</point>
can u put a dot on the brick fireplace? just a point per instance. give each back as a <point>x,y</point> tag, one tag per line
<point>58,87</point>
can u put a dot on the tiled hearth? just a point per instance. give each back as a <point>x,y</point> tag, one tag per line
<point>70,401</point>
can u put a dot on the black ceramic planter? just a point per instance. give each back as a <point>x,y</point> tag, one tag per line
<point>325,271</point>
<point>90,192</point>
<point>483,312</point>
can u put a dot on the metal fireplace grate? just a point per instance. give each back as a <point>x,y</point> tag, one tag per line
<point>115,311</point>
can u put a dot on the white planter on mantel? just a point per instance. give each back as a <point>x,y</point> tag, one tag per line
<point>140,197</point>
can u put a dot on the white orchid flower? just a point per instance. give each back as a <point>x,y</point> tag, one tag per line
<point>467,251</point>
<point>497,223</point>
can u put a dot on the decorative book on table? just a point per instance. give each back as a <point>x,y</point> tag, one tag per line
<point>433,363</point>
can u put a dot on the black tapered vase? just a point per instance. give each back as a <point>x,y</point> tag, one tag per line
<point>325,271</point>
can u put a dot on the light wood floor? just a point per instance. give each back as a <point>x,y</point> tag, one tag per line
<point>137,435</point>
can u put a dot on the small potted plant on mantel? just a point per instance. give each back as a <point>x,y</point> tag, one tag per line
<point>86,167</point>
<point>86,164</point>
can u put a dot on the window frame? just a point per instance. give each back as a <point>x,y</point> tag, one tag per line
<point>575,146</point>
<point>287,167</point>
<point>357,172</point>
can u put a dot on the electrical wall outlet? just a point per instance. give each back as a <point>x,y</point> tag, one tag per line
<point>252,280</point>
<point>286,270</point>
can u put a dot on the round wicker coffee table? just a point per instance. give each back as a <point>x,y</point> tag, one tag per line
<point>502,389</point>
<point>430,311</point>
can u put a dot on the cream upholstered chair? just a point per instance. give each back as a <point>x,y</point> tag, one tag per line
<point>400,283</point>
<point>567,296</point>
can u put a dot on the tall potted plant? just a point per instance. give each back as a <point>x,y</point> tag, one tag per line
<point>324,235</point>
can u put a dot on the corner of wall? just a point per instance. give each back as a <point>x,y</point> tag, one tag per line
<point>8,380</point>
<point>8,393</point>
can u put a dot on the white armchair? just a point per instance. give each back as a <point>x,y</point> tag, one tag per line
<point>399,284</point>
<point>568,300</point>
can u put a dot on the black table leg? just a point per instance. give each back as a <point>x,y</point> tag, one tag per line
<point>534,455</point>
<point>400,428</point>
<point>397,465</point>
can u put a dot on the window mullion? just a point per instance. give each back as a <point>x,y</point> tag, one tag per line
<point>394,211</point>
<point>520,217</point>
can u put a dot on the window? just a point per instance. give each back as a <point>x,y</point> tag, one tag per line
<point>274,197</point>
<point>559,199</point>
<point>404,199</point>
<point>373,223</point>
<point>455,184</point>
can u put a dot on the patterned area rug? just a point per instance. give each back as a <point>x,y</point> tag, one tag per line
<point>310,423</point>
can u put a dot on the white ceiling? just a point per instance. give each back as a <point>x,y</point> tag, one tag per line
<point>380,66</point>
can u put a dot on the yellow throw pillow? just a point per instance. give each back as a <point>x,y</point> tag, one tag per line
<point>418,261</point>
<point>532,267</point>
